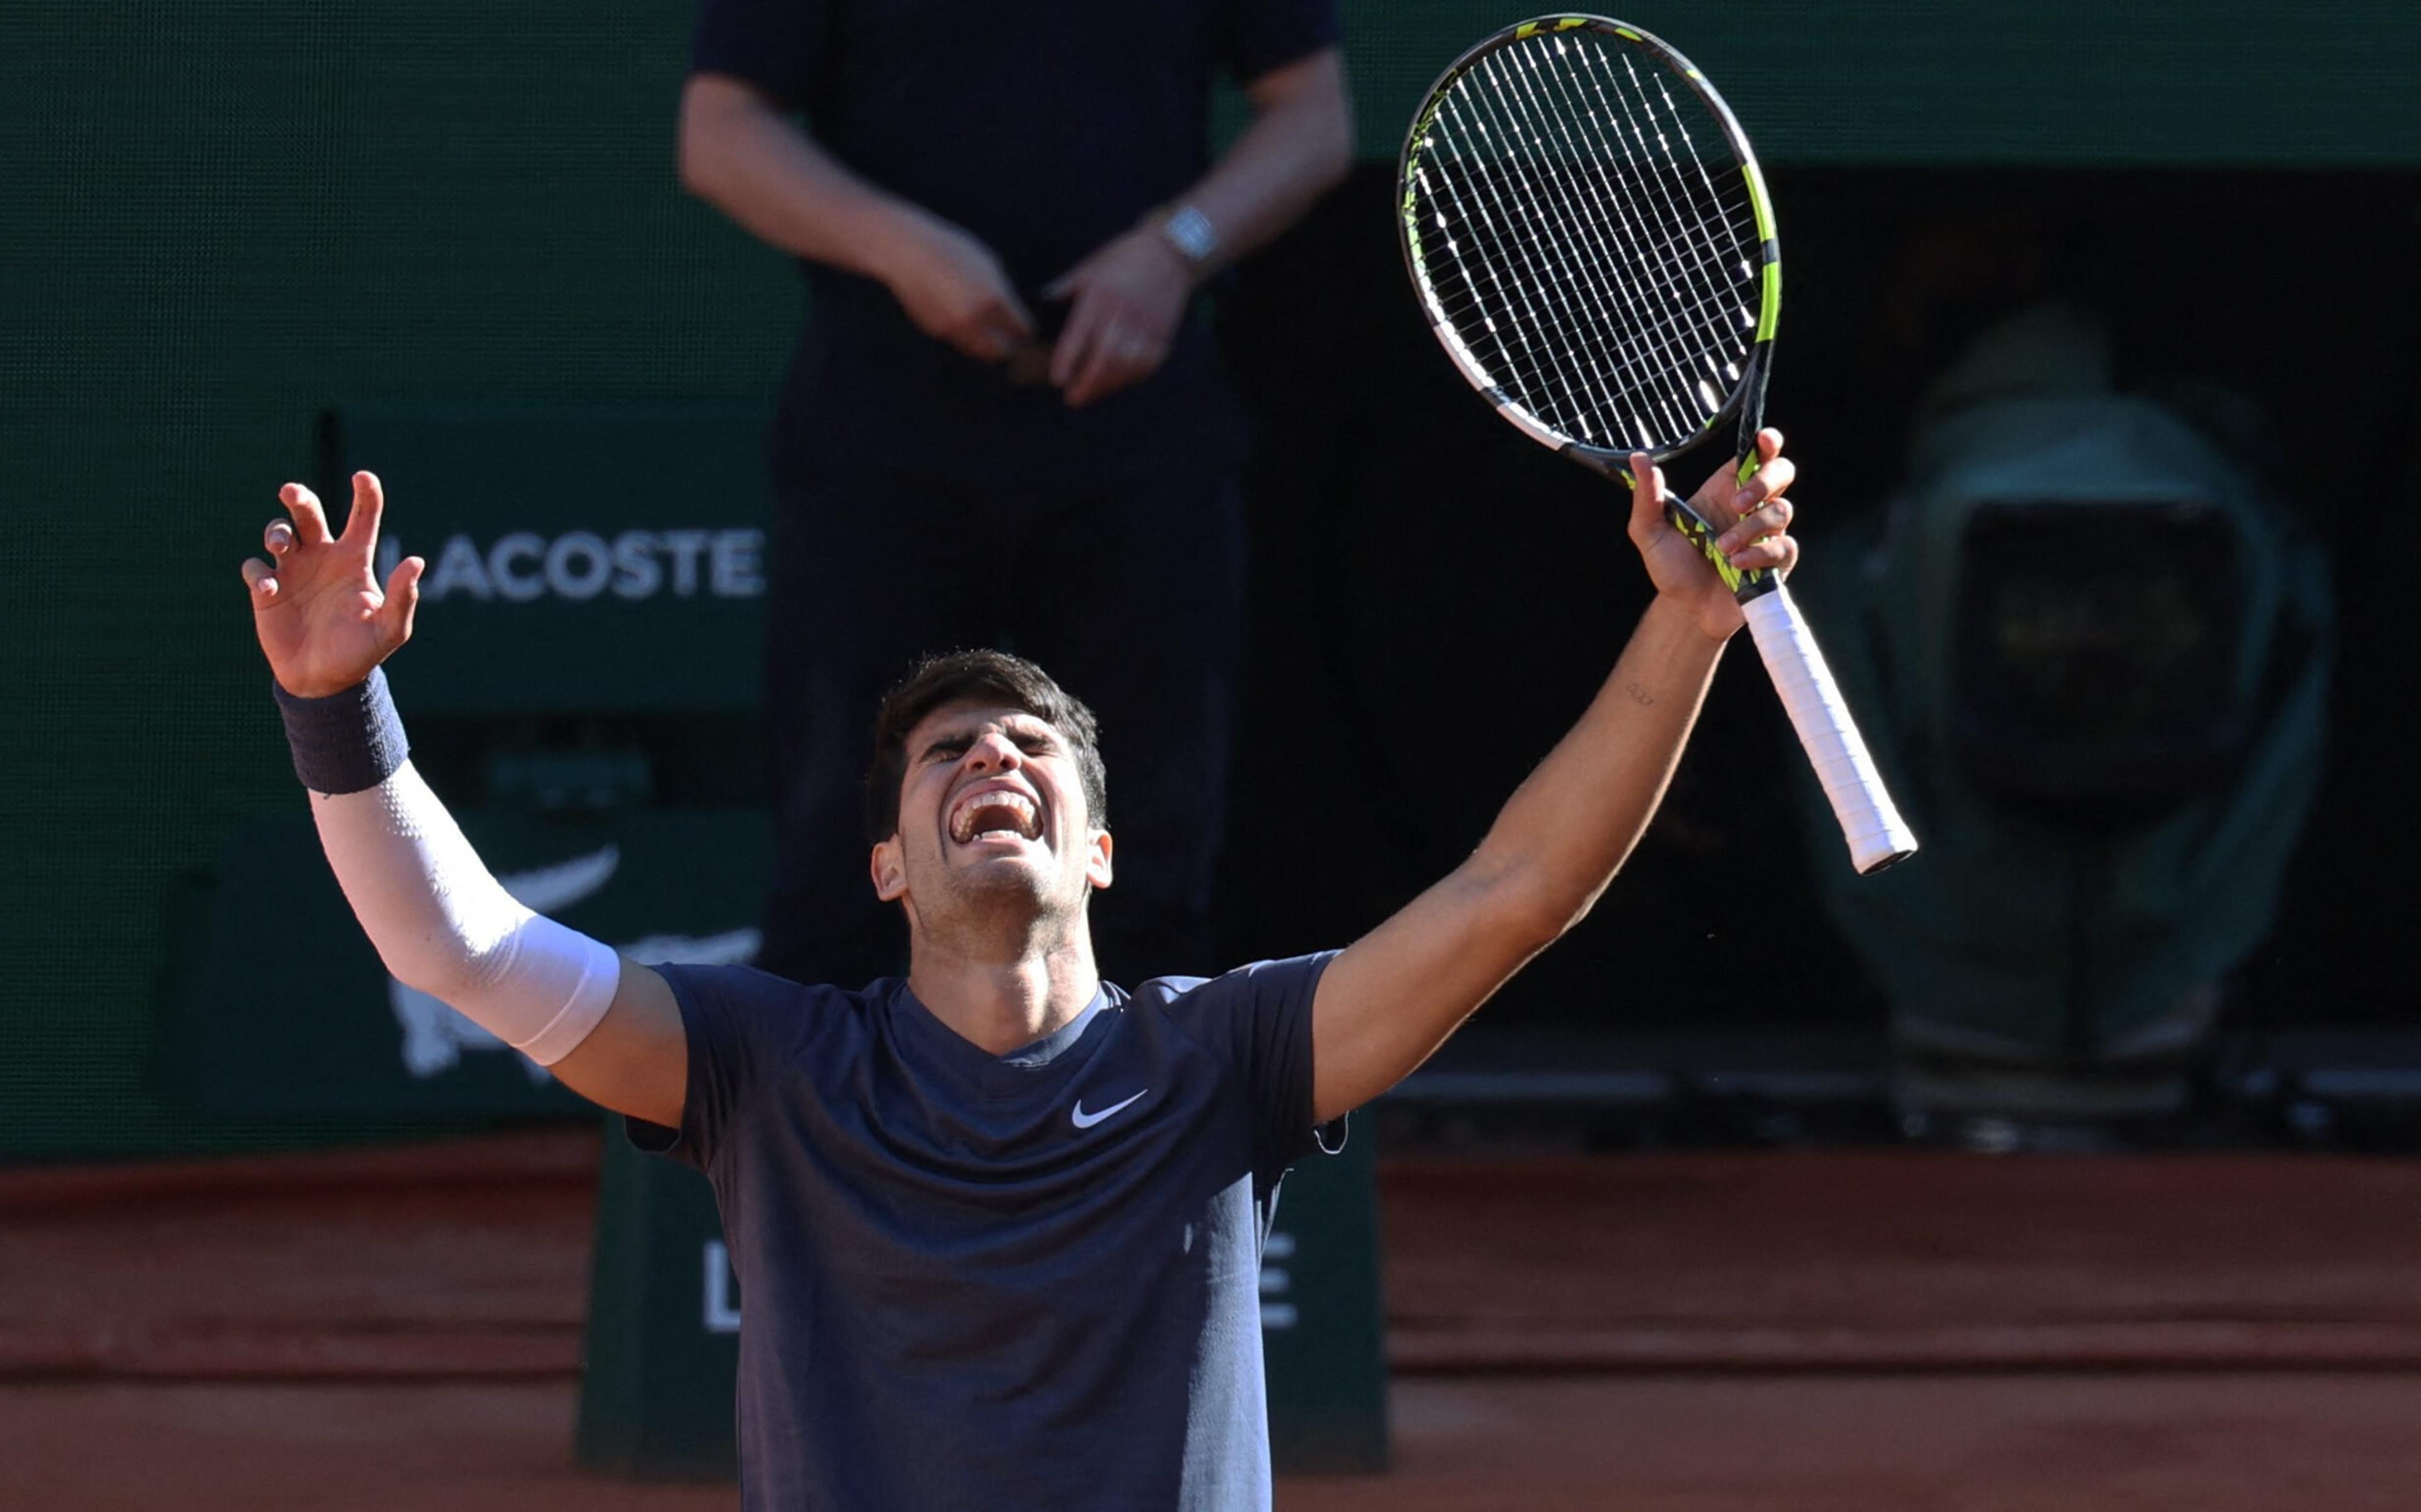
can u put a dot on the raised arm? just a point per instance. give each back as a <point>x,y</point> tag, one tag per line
<point>1392,997</point>
<point>608,1028</point>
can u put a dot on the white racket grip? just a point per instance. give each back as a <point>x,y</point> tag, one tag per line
<point>1877,834</point>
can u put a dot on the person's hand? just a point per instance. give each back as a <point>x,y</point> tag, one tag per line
<point>321,619</point>
<point>955,289</point>
<point>1754,521</point>
<point>1125,301</point>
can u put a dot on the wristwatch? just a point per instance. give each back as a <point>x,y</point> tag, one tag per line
<point>1190,232</point>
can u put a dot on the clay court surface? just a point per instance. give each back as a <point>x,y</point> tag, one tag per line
<point>400,1329</point>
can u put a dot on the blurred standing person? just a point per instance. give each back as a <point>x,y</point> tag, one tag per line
<point>1003,392</point>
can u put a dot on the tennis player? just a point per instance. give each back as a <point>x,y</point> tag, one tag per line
<point>998,1224</point>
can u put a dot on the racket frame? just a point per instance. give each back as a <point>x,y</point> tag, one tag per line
<point>1743,407</point>
<point>1877,835</point>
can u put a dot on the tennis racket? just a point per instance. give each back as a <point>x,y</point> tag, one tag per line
<point>1591,238</point>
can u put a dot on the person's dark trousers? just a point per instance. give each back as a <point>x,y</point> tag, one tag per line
<point>1129,596</point>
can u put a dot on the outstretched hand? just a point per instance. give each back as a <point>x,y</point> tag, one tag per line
<point>1754,520</point>
<point>316,604</point>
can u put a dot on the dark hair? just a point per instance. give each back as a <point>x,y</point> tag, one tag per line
<point>992,677</point>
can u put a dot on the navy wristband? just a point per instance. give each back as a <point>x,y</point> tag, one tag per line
<point>348,741</point>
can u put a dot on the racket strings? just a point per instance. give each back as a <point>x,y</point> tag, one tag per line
<point>1517,341</point>
<point>1623,200</point>
<point>1536,357</point>
<point>1702,257</point>
<point>1655,189</point>
<point>1519,314</point>
<point>1671,318</point>
<point>1580,248</point>
<point>1731,226</point>
<point>1600,206</point>
<point>1552,264</point>
<point>1598,266</point>
<point>1673,307</point>
<point>1667,318</point>
<point>1544,262</point>
<point>1645,198</point>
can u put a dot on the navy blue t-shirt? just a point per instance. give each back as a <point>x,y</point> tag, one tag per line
<point>1044,128</point>
<point>971,1281</point>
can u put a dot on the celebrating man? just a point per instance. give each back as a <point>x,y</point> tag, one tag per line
<point>998,1224</point>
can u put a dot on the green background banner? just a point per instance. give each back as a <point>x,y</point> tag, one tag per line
<point>2201,83</point>
<point>581,557</point>
<point>230,216</point>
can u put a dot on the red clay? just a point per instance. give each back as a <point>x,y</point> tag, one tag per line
<point>471,1259</point>
<point>394,1329</point>
<point>1640,1444</point>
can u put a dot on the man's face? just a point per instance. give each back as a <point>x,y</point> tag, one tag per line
<point>991,811</point>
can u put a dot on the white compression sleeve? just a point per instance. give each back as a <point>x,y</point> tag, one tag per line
<point>444,924</point>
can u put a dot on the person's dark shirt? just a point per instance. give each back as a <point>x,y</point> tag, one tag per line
<point>971,1281</point>
<point>1045,131</point>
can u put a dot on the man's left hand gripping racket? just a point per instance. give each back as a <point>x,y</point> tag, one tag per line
<point>1590,238</point>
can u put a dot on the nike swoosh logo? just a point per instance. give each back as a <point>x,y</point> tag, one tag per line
<point>1086,1120</point>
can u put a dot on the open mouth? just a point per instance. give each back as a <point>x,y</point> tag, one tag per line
<point>992,813</point>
